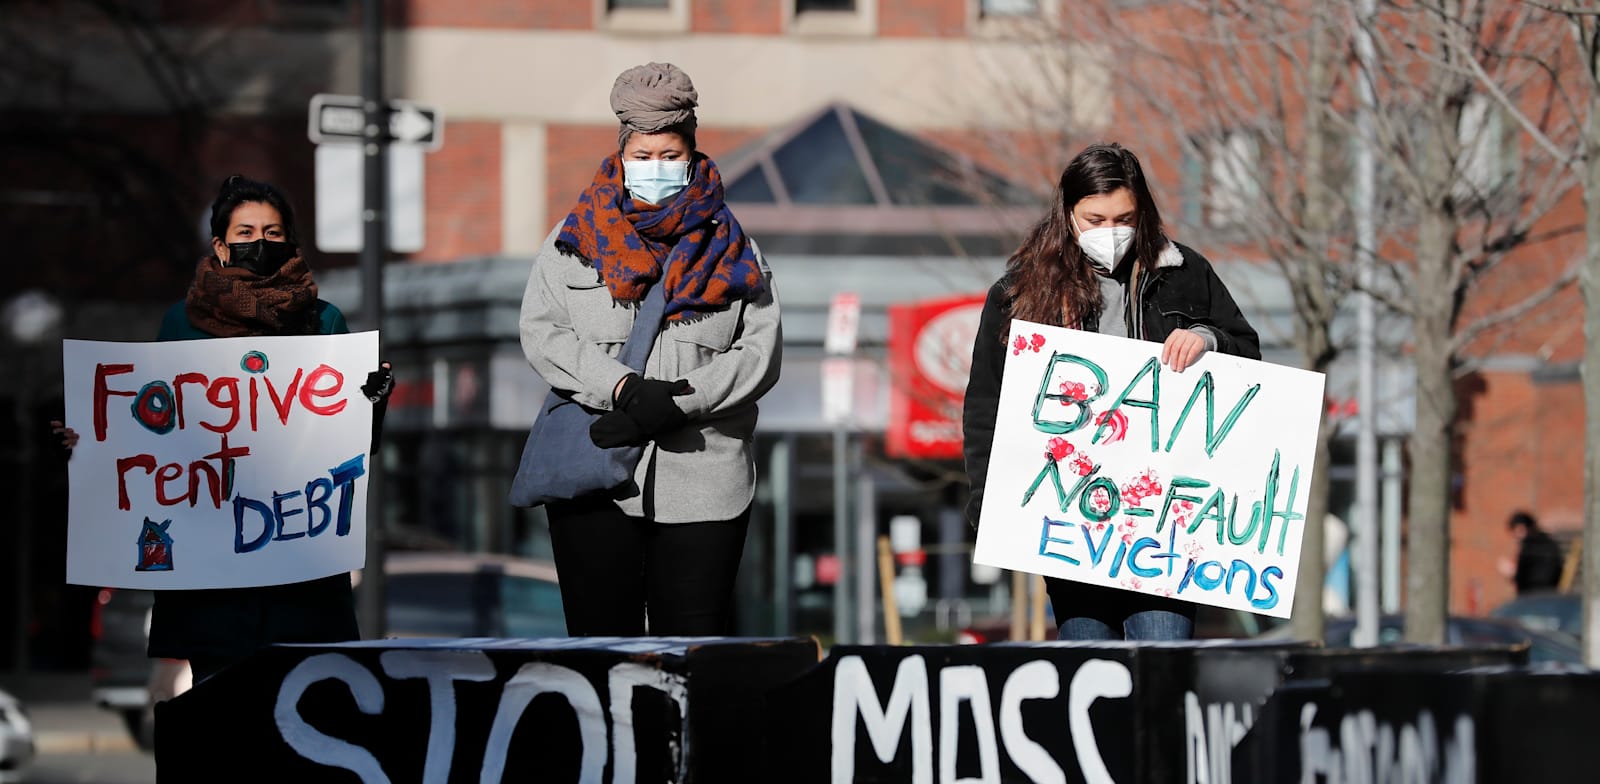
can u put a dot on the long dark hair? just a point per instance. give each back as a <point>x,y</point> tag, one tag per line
<point>239,189</point>
<point>1050,279</point>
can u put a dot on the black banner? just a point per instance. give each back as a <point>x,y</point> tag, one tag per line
<point>647,710</point>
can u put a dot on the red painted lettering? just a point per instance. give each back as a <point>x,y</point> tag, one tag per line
<point>101,393</point>
<point>230,405</point>
<point>313,390</point>
<point>166,474</point>
<point>177,390</point>
<point>147,462</point>
<point>284,404</point>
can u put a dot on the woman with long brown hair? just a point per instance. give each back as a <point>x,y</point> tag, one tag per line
<point>1100,261</point>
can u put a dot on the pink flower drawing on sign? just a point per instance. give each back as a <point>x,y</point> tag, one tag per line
<point>1146,486</point>
<point>1100,500</point>
<point>1134,583</point>
<point>1082,465</point>
<point>1185,510</point>
<point>1018,345</point>
<point>1036,343</point>
<point>1072,392</point>
<point>1058,448</point>
<point>1117,422</point>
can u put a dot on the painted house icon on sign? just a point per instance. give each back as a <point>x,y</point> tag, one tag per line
<point>155,547</point>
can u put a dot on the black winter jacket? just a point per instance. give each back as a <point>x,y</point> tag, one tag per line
<point>232,623</point>
<point>1183,292</point>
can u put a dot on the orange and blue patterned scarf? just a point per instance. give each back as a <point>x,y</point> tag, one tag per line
<point>692,242</point>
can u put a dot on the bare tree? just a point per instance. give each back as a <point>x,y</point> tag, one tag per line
<point>1567,130</point>
<point>1464,197</point>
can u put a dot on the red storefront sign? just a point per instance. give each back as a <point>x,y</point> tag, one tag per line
<point>930,355</point>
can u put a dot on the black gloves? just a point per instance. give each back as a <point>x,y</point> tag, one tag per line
<point>644,409</point>
<point>379,384</point>
<point>615,429</point>
<point>649,402</point>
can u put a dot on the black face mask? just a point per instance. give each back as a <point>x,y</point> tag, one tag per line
<point>263,257</point>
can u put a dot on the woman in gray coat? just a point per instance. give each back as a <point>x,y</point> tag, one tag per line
<point>657,556</point>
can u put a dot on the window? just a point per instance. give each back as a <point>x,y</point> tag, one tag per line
<point>1221,189</point>
<point>1488,150</point>
<point>643,16</point>
<point>831,17</point>
<point>1004,8</point>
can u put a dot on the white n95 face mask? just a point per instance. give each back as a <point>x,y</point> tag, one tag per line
<point>655,181</point>
<point>1106,245</point>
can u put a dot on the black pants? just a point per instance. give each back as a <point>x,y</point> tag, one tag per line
<point>616,571</point>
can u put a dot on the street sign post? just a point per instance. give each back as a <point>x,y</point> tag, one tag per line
<point>337,123</point>
<point>339,118</point>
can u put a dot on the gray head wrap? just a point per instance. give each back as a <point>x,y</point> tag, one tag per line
<point>654,98</point>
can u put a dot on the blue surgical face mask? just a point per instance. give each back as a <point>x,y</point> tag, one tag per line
<point>655,181</point>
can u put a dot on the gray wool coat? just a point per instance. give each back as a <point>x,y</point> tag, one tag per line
<point>572,332</point>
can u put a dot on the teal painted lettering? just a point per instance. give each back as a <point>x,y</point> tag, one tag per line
<point>1270,509</point>
<point>1179,483</point>
<point>1211,510</point>
<point>1045,540</point>
<point>1209,583</point>
<point>1271,599</point>
<point>1096,552</point>
<point>1144,543</point>
<point>1053,471</point>
<point>1058,426</point>
<point>1214,435</point>
<point>1153,403</point>
<point>1086,500</point>
<point>1237,567</point>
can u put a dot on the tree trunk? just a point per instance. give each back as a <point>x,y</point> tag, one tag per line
<point>1589,282</point>
<point>1428,536</point>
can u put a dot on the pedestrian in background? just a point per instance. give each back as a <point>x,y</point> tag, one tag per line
<point>254,282</point>
<point>1100,261</point>
<point>1539,561</point>
<point>659,554</point>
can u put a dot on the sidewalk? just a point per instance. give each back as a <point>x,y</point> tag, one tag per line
<point>65,718</point>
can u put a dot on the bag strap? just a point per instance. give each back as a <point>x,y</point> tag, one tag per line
<point>646,325</point>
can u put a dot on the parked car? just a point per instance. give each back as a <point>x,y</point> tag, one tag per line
<point>1543,646</point>
<point>471,595</point>
<point>429,594</point>
<point>16,740</point>
<point>1562,612</point>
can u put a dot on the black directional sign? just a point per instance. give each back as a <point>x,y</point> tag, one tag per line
<point>339,118</point>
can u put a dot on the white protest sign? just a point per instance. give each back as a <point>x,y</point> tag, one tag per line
<point>1109,468</point>
<point>218,463</point>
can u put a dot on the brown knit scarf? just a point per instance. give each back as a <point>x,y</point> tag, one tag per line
<point>230,302</point>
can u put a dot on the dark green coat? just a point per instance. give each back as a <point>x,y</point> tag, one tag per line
<point>231,623</point>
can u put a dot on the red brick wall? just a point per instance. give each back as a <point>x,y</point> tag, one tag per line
<point>922,18</point>
<point>463,193</point>
<point>574,152</point>
<point>1521,447</point>
<point>752,17</point>
<point>518,14</point>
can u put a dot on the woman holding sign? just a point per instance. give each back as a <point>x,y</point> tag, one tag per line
<point>253,283</point>
<point>652,307</point>
<point>1100,261</point>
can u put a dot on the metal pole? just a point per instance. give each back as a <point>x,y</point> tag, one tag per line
<point>374,246</point>
<point>841,534</point>
<point>1392,486</point>
<point>1366,516</point>
<point>782,535</point>
<point>866,538</point>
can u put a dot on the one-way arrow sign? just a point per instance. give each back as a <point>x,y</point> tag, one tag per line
<point>339,118</point>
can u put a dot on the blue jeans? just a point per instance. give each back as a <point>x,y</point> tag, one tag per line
<point>1093,612</point>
